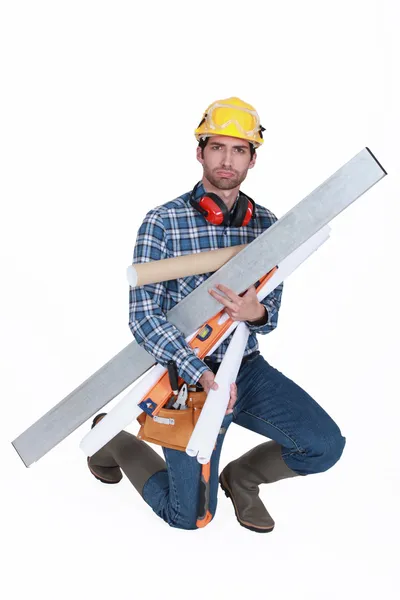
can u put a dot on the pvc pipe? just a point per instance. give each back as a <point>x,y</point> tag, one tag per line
<point>121,415</point>
<point>202,441</point>
<point>206,428</point>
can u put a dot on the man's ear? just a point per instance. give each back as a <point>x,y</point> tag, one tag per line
<point>199,155</point>
<point>253,160</point>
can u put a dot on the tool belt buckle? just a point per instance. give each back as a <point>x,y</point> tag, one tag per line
<point>164,421</point>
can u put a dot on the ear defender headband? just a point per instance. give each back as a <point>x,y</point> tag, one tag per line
<point>215,211</point>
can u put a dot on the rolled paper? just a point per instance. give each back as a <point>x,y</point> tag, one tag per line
<point>204,435</point>
<point>180,266</point>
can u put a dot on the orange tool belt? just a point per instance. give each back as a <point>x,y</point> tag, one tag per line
<point>173,428</point>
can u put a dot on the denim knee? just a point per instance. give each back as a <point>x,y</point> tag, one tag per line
<point>187,524</point>
<point>328,451</point>
<point>174,518</point>
<point>180,524</point>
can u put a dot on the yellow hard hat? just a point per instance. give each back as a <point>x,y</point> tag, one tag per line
<point>231,117</point>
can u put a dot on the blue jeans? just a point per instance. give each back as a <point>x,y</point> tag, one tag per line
<point>269,404</point>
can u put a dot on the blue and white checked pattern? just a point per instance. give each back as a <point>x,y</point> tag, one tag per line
<point>175,229</point>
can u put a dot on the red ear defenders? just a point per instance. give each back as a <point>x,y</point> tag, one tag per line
<point>216,212</point>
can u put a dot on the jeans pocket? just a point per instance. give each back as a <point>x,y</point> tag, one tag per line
<point>251,358</point>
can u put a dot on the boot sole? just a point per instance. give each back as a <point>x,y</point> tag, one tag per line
<point>244,524</point>
<point>111,481</point>
<point>101,478</point>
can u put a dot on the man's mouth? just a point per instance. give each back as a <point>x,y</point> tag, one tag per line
<point>222,173</point>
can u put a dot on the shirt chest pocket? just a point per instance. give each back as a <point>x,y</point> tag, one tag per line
<point>186,285</point>
<point>183,286</point>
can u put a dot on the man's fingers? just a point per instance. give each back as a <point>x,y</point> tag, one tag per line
<point>228,292</point>
<point>222,299</point>
<point>232,399</point>
<point>229,295</point>
<point>230,305</point>
<point>211,386</point>
<point>233,394</point>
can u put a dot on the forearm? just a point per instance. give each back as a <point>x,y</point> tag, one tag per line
<point>262,319</point>
<point>161,339</point>
<point>149,304</point>
<point>269,321</point>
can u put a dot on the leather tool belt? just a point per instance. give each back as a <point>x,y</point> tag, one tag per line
<point>173,428</point>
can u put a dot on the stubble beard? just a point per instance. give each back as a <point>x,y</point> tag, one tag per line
<point>224,183</point>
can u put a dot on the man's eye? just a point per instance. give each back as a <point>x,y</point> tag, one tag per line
<point>216,147</point>
<point>240,150</point>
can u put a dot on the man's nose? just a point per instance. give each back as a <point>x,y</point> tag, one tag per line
<point>227,158</point>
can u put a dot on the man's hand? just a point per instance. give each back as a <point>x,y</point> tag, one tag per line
<point>207,382</point>
<point>240,308</point>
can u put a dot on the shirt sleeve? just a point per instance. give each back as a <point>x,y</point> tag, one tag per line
<point>148,307</point>
<point>272,303</point>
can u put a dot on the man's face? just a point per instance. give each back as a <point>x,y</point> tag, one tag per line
<point>226,161</point>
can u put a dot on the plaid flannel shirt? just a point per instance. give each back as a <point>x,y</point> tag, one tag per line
<point>175,229</point>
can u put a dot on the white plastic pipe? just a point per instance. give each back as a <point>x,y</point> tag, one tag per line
<point>121,415</point>
<point>207,427</point>
<point>127,410</point>
<point>202,441</point>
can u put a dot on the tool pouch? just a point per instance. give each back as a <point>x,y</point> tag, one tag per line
<point>172,428</point>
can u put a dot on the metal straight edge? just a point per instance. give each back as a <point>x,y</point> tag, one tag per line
<point>345,186</point>
<point>288,233</point>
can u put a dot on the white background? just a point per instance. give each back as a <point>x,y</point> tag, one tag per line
<point>99,102</point>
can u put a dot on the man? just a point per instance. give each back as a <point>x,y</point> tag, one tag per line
<point>304,439</point>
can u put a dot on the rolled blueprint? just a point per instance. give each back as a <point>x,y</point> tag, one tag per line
<point>202,441</point>
<point>180,266</point>
<point>127,410</point>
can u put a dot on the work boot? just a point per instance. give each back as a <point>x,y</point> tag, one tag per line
<point>240,480</point>
<point>101,464</point>
<point>125,452</point>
